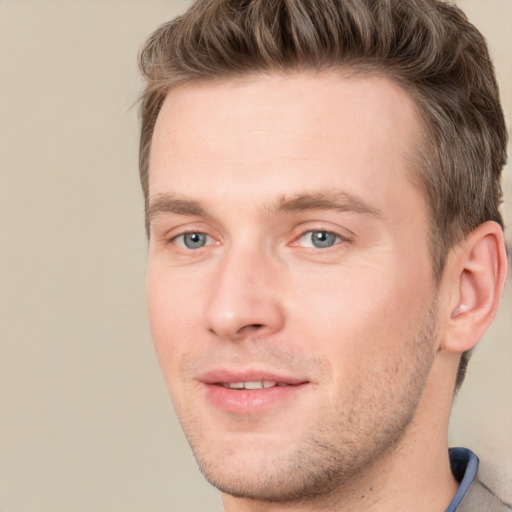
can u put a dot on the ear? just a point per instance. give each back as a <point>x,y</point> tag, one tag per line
<point>477,271</point>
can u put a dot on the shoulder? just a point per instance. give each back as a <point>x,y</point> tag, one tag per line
<point>479,498</point>
<point>473,494</point>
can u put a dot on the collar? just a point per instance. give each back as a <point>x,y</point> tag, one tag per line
<point>464,464</point>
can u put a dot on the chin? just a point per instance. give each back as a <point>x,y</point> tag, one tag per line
<point>270,480</point>
<point>277,472</point>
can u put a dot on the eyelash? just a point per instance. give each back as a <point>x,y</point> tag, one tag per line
<point>183,235</point>
<point>338,238</point>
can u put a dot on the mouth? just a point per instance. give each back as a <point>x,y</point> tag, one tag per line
<point>250,393</point>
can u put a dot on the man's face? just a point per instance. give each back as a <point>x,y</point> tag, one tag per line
<point>289,257</point>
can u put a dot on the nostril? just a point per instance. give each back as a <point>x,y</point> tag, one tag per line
<point>251,328</point>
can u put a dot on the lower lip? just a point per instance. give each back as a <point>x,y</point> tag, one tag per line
<point>249,401</point>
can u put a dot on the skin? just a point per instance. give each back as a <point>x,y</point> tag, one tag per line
<point>254,167</point>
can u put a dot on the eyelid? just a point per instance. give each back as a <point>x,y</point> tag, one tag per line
<point>171,230</point>
<point>302,241</point>
<point>339,233</point>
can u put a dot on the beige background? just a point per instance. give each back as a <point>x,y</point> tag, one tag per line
<point>85,421</point>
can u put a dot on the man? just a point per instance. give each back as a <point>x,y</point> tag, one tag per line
<point>322,185</point>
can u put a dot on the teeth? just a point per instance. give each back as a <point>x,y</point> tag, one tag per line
<point>253,384</point>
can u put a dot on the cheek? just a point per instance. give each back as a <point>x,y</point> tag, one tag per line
<point>360,317</point>
<point>174,316</point>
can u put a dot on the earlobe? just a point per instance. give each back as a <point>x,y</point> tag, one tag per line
<point>478,273</point>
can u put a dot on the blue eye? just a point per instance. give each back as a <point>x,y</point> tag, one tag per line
<point>319,239</point>
<point>192,240</point>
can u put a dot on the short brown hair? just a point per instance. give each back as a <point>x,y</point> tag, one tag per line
<point>427,46</point>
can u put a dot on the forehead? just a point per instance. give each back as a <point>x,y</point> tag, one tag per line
<point>305,130</point>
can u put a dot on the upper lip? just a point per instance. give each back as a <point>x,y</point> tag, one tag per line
<point>222,376</point>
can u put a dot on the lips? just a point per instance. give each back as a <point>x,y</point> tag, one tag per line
<point>252,376</point>
<point>249,392</point>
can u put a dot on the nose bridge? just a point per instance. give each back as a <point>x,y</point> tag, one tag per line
<point>244,298</point>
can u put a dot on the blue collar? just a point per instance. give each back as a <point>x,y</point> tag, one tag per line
<point>464,464</point>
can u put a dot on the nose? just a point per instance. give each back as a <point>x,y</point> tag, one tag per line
<point>244,300</point>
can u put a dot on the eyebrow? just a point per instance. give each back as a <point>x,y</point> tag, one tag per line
<point>319,200</point>
<point>167,203</point>
<point>325,200</point>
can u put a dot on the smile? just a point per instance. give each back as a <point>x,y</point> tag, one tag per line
<point>251,394</point>
<point>264,384</point>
